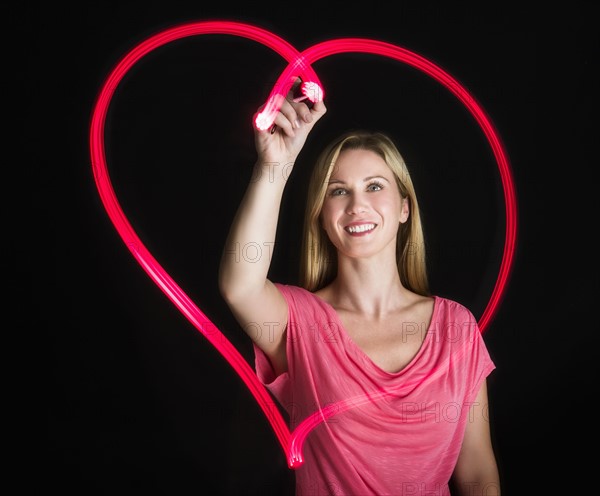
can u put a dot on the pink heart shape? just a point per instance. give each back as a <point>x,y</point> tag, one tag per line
<point>299,64</point>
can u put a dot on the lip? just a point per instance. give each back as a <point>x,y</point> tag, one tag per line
<point>360,233</point>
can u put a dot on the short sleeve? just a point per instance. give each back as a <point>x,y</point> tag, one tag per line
<point>480,364</point>
<point>278,385</point>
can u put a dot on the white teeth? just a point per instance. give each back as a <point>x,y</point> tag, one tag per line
<point>360,228</point>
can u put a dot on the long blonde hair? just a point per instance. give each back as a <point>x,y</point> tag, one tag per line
<point>319,256</point>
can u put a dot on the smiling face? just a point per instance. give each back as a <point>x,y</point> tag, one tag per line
<point>363,208</point>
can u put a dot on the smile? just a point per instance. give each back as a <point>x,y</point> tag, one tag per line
<point>360,228</point>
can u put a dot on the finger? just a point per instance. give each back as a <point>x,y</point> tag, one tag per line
<point>288,109</point>
<point>295,89</point>
<point>284,124</point>
<point>300,102</point>
<point>318,110</point>
<point>302,108</point>
<point>299,97</point>
<point>308,94</point>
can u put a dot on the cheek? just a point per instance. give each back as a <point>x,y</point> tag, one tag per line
<point>328,214</point>
<point>389,206</point>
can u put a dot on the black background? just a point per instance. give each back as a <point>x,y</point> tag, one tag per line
<point>123,395</point>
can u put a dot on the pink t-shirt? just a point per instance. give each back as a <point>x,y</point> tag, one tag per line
<point>378,433</point>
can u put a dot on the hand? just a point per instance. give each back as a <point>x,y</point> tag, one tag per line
<point>284,140</point>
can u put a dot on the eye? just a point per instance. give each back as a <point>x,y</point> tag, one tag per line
<point>337,192</point>
<point>375,186</point>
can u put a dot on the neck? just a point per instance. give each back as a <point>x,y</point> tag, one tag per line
<point>369,286</point>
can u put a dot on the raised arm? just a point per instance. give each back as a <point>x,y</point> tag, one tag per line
<point>255,302</point>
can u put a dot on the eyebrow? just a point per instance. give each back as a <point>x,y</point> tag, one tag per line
<point>339,181</point>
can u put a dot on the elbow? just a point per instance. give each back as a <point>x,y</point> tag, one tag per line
<point>226,288</point>
<point>226,282</point>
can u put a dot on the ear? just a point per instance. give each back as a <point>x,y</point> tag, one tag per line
<point>404,210</point>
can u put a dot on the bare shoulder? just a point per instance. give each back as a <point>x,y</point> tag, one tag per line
<point>325,294</point>
<point>421,307</point>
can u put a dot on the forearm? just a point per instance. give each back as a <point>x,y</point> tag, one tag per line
<point>247,253</point>
<point>248,249</point>
<point>476,472</point>
<point>484,484</point>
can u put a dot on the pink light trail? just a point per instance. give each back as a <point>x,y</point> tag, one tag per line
<point>299,65</point>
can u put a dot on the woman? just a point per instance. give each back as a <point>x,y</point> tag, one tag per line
<point>400,373</point>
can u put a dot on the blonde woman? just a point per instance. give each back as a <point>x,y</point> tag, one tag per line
<point>361,329</point>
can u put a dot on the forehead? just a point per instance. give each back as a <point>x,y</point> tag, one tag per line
<point>359,163</point>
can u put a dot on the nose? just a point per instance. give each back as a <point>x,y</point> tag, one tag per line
<point>357,204</point>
